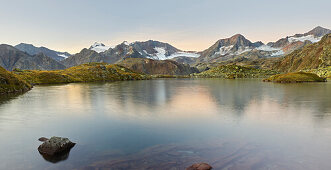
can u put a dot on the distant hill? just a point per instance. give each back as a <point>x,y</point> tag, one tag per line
<point>32,50</point>
<point>157,67</point>
<point>314,56</point>
<point>11,58</point>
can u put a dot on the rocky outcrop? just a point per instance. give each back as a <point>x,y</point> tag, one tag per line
<point>200,166</point>
<point>55,146</point>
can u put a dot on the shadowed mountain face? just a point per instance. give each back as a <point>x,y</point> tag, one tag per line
<point>84,56</point>
<point>162,67</point>
<point>32,50</point>
<point>11,58</point>
<point>312,56</point>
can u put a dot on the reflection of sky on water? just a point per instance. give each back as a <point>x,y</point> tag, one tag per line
<point>126,117</point>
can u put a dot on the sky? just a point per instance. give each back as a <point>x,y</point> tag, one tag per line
<point>71,25</point>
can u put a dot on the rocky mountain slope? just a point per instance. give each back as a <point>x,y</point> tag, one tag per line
<point>84,56</point>
<point>11,58</point>
<point>157,67</point>
<point>9,83</point>
<point>32,50</point>
<point>314,56</point>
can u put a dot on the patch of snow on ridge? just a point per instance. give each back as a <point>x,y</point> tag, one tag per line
<point>63,55</point>
<point>267,48</point>
<point>99,47</point>
<point>243,50</point>
<point>183,54</point>
<point>160,55</point>
<point>310,38</point>
<point>278,53</point>
<point>224,50</point>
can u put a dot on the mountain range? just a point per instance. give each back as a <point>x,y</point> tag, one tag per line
<point>238,46</point>
<point>233,49</point>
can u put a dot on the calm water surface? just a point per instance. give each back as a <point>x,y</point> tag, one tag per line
<point>172,123</point>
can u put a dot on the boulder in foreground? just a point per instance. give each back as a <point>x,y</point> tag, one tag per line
<point>298,77</point>
<point>55,145</point>
<point>200,166</point>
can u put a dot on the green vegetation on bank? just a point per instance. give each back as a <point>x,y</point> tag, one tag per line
<point>92,72</point>
<point>322,72</point>
<point>235,71</point>
<point>9,83</point>
<point>296,77</point>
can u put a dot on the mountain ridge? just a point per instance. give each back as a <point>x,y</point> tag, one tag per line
<point>33,50</point>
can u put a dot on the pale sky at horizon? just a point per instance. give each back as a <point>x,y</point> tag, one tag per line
<point>71,25</point>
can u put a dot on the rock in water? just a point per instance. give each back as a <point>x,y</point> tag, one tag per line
<point>200,166</point>
<point>55,145</point>
<point>43,139</point>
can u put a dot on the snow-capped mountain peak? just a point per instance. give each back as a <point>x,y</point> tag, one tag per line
<point>99,47</point>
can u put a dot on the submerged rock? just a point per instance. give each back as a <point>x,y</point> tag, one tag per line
<point>55,146</point>
<point>200,166</point>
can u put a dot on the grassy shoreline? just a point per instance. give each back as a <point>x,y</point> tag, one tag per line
<point>92,72</point>
<point>297,77</point>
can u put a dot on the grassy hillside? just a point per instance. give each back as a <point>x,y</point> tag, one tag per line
<point>9,83</point>
<point>92,72</point>
<point>157,67</point>
<point>296,77</point>
<point>313,56</point>
<point>235,71</point>
<point>322,72</point>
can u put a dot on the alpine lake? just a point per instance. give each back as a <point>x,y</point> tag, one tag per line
<point>170,124</point>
